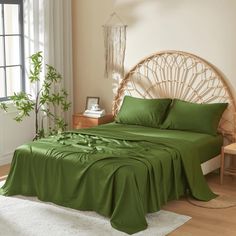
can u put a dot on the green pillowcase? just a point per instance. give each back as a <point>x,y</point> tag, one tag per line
<point>145,112</point>
<point>202,118</point>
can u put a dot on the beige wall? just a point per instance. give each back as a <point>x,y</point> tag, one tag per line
<point>206,28</point>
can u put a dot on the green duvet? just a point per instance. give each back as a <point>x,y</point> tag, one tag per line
<point>119,171</point>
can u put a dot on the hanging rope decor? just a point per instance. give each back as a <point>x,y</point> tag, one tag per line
<point>115,44</point>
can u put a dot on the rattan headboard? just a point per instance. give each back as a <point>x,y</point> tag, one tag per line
<point>175,74</point>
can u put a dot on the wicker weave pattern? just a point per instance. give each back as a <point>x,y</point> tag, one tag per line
<point>174,74</point>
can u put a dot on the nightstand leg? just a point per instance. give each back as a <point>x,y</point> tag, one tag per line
<point>222,166</point>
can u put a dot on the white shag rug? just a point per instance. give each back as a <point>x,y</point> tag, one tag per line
<point>27,216</point>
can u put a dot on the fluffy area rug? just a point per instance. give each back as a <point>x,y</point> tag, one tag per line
<point>27,216</point>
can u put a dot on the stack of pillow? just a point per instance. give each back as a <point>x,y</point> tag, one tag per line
<point>171,114</point>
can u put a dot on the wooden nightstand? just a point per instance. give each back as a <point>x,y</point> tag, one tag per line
<point>80,121</point>
<point>229,149</point>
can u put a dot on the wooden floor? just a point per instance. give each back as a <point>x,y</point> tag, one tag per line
<point>4,171</point>
<point>204,222</point>
<point>207,222</point>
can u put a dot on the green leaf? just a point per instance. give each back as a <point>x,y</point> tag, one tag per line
<point>66,105</point>
<point>3,106</point>
<point>52,74</point>
<point>36,67</point>
<point>23,104</point>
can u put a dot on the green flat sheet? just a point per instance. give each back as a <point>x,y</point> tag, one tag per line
<point>208,146</point>
<point>119,171</point>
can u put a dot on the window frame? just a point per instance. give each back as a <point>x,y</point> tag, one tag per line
<point>21,45</point>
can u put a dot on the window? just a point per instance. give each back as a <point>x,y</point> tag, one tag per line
<point>11,48</point>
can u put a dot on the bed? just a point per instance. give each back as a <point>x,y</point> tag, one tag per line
<point>126,171</point>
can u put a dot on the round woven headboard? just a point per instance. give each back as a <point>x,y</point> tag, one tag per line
<point>175,74</point>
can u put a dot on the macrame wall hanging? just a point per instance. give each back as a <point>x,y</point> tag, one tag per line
<point>115,44</point>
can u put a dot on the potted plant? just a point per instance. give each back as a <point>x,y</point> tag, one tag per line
<point>45,98</point>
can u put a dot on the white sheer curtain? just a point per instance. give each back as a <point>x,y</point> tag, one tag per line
<point>33,34</point>
<point>58,43</point>
<point>48,28</point>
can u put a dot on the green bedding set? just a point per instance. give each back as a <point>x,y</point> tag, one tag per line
<point>120,171</point>
<point>123,170</point>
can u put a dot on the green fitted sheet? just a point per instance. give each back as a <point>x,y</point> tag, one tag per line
<point>207,145</point>
<point>119,171</point>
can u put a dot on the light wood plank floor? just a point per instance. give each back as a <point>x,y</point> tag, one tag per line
<point>207,222</point>
<point>4,171</point>
<point>204,222</point>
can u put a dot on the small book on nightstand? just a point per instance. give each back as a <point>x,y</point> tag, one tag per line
<point>94,114</point>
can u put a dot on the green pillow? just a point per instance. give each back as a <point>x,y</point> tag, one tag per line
<point>202,118</point>
<point>145,112</point>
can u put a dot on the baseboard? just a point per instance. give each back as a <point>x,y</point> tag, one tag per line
<point>6,158</point>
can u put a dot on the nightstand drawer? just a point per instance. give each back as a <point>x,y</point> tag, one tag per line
<point>81,121</point>
<point>86,121</point>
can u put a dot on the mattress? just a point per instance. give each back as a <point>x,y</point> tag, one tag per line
<point>207,145</point>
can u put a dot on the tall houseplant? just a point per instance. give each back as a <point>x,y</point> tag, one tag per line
<point>45,98</point>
